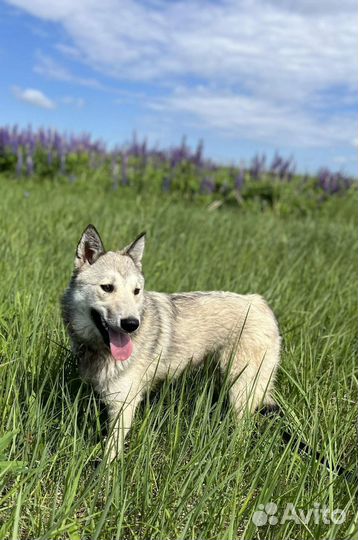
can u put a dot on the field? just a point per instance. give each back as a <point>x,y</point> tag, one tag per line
<point>188,471</point>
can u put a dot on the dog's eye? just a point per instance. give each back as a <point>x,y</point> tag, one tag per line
<point>107,288</point>
<point>136,291</point>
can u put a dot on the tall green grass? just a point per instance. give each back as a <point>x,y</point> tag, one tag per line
<point>188,470</point>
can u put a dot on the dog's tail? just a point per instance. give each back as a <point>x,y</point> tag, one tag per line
<point>303,447</point>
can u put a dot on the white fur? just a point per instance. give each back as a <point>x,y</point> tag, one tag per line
<point>174,330</point>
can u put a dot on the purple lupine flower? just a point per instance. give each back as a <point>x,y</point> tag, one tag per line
<point>337,183</point>
<point>239,180</point>
<point>133,148</point>
<point>143,149</point>
<point>176,157</point>
<point>92,160</point>
<point>284,168</point>
<point>167,183</point>
<point>29,165</point>
<point>144,154</point>
<point>41,136</point>
<point>207,186</point>
<point>115,174</point>
<point>125,180</point>
<point>20,162</point>
<point>347,182</point>
<point>257,166</point>
<point>183,149</point>
<point>100,146</point>
<point>24,142</point>
<point>30,141</point>
<point>5,139</point>
<point>63,162</point>
<point>179,154</point>
<point>323,178</point>
<point>198,156</point>
<point>334,184</point>
<point>276,163</point>
<point>57,143</point>
<point>14,145</point>
<point>161,156</point>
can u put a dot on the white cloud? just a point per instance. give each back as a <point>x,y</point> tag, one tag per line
<point>341,160</point>
<point>34,97</point>
<point>260,41</point>
<point>73,101</point>
<point>51,10</point>
<point>316,7</point>
<point>269,68</point>
<point>39,99</point>
<point>48,67</point>
<point>69,51</point>
<point>252,118</point>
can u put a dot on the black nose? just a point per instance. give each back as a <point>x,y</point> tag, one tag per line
<point>129,325</point>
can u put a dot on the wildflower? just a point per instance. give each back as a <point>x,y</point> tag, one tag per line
<point>20,162</point>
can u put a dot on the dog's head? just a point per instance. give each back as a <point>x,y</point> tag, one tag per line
<point>106,294</point>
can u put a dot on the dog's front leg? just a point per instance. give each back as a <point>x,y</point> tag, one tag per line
<point>121,414</point>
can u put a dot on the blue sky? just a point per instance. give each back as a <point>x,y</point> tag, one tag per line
<point>246,76</point>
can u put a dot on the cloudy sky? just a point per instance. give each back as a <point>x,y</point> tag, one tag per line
<point>246,76</point>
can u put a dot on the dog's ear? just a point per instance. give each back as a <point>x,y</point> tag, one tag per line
<point>135,250</point>
<point>89,248</point>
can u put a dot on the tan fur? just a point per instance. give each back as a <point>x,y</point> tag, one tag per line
<point>175,330</point>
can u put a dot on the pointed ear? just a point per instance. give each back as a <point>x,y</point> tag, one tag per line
<point>89,248</point>
<point>136,249</point>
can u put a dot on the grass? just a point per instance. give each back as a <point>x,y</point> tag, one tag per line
<point>188,471</point>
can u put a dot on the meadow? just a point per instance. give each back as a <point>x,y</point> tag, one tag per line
<point>189,471</point>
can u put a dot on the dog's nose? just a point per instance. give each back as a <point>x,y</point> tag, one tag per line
<point>130,324</point>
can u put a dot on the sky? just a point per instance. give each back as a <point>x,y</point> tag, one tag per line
<point>245,76</point>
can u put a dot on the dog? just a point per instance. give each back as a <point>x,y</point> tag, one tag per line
<point>127,339</point>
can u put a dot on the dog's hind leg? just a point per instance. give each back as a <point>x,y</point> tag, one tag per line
<point>249,379</point>
<point>249,392</point>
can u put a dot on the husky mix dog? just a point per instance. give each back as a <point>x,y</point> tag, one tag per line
<point>127,339</point>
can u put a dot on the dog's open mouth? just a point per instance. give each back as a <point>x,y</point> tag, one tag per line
<point>119,343</point>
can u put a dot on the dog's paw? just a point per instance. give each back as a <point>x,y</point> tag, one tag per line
<point>112,451</point>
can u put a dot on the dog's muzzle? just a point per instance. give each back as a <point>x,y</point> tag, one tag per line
<point>129,325</point>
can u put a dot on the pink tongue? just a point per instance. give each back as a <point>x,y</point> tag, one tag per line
<point>121,345</point>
